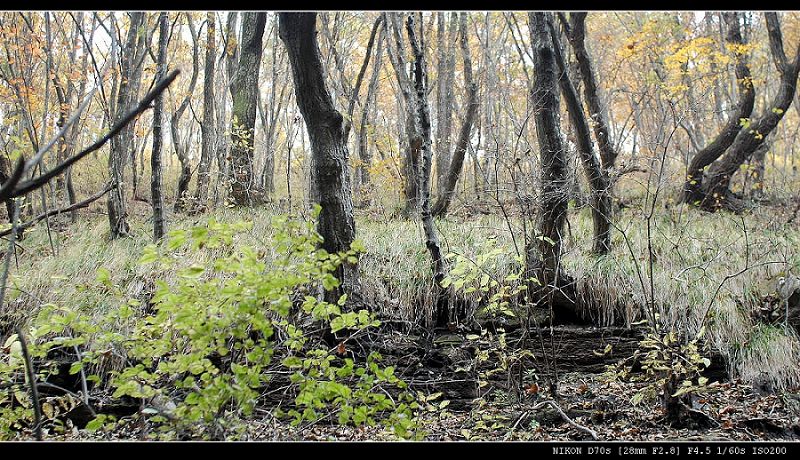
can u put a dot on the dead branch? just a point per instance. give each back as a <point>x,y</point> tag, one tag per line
<point>14,188</point>
<point>566,418</point>
<point>53,212</point>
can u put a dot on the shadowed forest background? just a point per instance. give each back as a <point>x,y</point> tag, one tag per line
<point>435,225</point>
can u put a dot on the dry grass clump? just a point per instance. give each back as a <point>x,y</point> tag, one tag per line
<point>704,265</point>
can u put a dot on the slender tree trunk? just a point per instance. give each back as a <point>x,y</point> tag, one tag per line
<point>444,112</point>
<point>422,124</point>
<point>448,186</point>
<point>245,99</point>
<point>208,132</point>
<point>120,145</point>
<point>410,167</point>
<point>180,144</point>
<point>158,115</point>
<point>324,123</point>
<point>693,188</point>
<point>269,119</point>
<point>597,175</point>
<point>577,39</point>
<point>364,155</point>
<point>360,78</point>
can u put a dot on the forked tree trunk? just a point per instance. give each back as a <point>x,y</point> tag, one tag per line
<point>717,183</point>
<point>597,175</point>
<point>411,159</point>
<point>693,188</point>
<point>577,38</point>
<point>328,145</point>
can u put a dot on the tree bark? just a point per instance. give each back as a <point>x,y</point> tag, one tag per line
<point>448,183</point>
<point>411,159</point>
<point>577,39</point>
<point>348,123</point>
<point>757,171</point>
<point>120,145</point>
<point>364,155</point>
<point>422,125</point>
<point>596,175</point>
<point>181,147</point>
<point>693,188</point>
<point>335,223</point>
<point>269,113</point>
<point>444,95</point>
<point>158,115</point>
<point>245,100</point>
<point>748,140</point>
<point>207,126</point>
<point>544,246</point>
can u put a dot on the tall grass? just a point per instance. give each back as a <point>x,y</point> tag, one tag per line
<point>712,266</point>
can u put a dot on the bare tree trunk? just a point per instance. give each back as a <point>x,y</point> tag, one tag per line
<point>716,186</point>
<point>180,144</point>
<point>245,100</point>
<point>158,115</point>
<point>410,168</point>
<point>448,186</point>
<point>364,154</point>
<point>207,127</point>
<point>335,223</point>
<point>422,125</point>
<point>120,145</point>
<point>546,241</point>
<point>444,99</point>
<point>577,37</point>
<point>269,119</point>
<point>757,171</point>
<point>693,188</point>
<point>597,175</point>
<point>348,123</point>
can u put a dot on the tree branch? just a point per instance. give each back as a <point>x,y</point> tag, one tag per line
<point>53,212</point>
<point>14,188</point>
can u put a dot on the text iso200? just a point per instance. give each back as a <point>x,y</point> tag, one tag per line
<point>768,450</point>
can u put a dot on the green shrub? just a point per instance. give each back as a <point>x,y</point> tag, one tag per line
<point>216,337</point>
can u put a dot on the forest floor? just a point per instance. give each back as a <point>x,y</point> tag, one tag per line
<point>507,404</point>
<point>733,411</point>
